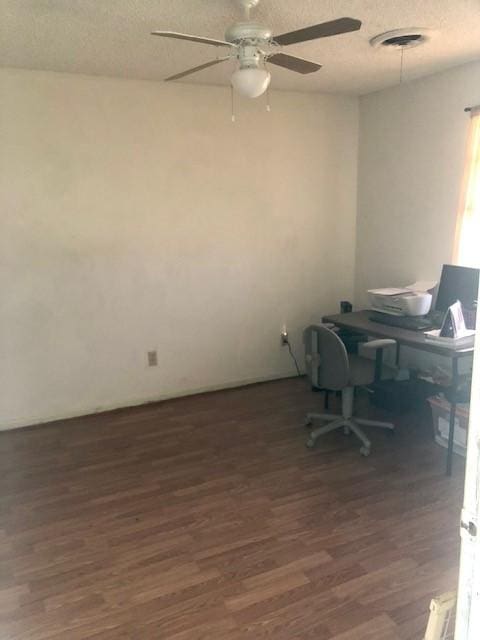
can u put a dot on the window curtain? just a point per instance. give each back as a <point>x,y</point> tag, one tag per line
<point>467,236</point>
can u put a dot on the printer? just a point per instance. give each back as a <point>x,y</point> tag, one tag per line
<point>412,300</point>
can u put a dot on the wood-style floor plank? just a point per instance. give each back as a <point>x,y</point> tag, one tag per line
<point>206,518</point>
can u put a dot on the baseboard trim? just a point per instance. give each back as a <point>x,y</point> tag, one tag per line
<point>33,421</point>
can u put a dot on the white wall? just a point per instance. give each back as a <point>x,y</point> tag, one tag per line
<point>411,161</point>
<point>136,216</point>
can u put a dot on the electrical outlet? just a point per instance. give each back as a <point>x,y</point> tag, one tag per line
<point>284,336</point>
<point>152,358</point>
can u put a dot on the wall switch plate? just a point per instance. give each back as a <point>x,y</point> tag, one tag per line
<point>152,358</point>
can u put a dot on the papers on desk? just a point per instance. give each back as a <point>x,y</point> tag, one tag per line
<point>467,338</point>
<point>453,331</point>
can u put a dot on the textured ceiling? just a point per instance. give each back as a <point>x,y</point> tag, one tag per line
<point>111,37</point>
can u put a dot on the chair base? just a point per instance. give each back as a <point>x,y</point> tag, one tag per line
<point>351,424</point>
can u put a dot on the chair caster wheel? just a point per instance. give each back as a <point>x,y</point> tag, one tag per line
<point>310,443</point>
<point>365,451</point>
<point>307,422</point>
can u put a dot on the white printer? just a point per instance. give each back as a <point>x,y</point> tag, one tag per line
<point>412,300</point>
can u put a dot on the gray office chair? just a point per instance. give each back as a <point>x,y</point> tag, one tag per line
<point>330,367</point>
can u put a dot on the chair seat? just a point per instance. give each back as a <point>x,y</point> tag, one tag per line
<point>362,371</point>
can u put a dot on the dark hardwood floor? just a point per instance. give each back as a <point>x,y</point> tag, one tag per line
<point>206,518</point>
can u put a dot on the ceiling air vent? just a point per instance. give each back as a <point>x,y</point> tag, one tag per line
<point>401,38</point>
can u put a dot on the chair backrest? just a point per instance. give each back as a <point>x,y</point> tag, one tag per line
<point>326,358</point>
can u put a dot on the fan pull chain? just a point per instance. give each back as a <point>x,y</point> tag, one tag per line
<point>232,103</point>
<point>401,65</point>
<point>267,93</point>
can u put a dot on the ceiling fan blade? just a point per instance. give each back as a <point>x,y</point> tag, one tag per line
<point>186,36</point>
<point>195,69</point>
<point>293,63</point>
<point>323,30</point>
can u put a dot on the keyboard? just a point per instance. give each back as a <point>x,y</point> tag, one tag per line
<point>413,323</point>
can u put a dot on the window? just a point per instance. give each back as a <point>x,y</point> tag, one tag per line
<point>467,241</point>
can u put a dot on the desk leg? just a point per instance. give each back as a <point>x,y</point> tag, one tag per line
<point>453,409</point>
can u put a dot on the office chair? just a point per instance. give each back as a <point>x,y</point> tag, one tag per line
<point>352,342</point>
<point>330,367</point>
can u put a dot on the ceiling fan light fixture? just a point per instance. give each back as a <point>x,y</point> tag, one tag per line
<point>252,45</point>
<point>251,82</point>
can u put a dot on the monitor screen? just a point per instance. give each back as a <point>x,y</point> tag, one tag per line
<point>457,283</point>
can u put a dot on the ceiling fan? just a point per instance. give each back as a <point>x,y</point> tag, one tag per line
<point>252,45</point>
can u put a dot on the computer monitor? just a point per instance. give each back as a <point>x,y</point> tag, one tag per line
<point>457,283</point>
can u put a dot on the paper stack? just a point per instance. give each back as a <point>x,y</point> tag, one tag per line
<point>453,331</point>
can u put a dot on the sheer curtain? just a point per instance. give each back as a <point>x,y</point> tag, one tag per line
<point>467,237</point>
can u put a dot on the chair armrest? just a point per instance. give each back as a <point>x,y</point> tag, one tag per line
<point>331,326</point>
<point>378,344</point>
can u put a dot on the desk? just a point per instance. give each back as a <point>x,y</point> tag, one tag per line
<point>360,322</point>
